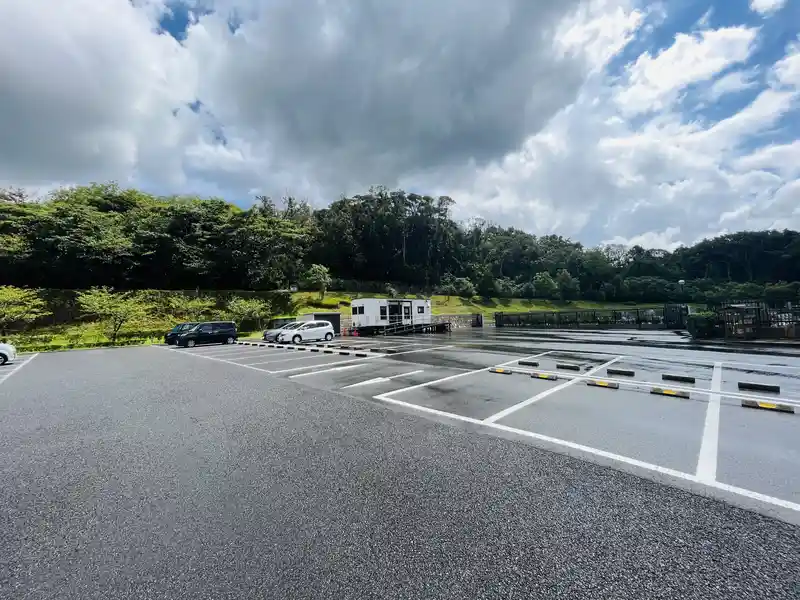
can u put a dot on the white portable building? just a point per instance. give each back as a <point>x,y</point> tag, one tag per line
<point>380,313</point>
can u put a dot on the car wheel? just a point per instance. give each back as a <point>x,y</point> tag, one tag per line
<point>328,336</point>
<point>230,340</point>
<point>3,359</point>
<point>297,339</point>
<point>190,344</point>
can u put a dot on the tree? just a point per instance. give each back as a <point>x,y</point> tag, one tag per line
<point>568,286</point>
<point>19,305</point>
<point>390,290</point>
<point>318,277</point>
<point>253,309</point>
<point>114,309</point>
<point>544,286</point>
<point>192,309</point>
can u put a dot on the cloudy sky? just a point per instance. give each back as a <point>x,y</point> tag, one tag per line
<point>623,121</point>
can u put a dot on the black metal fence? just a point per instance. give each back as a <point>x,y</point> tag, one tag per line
<point>757,319</point>
<point>636,318</point>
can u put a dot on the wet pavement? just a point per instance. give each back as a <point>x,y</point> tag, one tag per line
<point>708,437</point>
<point>397,468</point>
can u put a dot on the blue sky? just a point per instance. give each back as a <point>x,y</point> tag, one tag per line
<point>609,121</point>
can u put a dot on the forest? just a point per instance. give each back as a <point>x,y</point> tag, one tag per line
<point>104,235</point>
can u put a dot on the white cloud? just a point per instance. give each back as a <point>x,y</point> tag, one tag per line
<point>655,82</point>
<point>523,112</point>
<point>730,83</point>
<point>766,7</point>
<point>652,239</point>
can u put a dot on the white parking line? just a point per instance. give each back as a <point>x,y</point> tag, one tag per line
<point>600,453</point>
<point>362,359</point>
<point>236,350</point>
<point>356,366</point>
<point>473,372</point>
<point>303,356</point>
<point>707,457</point>
<point>382,379</point>
<point>15,368</point>
<point>541,395</point>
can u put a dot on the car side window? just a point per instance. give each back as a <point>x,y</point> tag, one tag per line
<point>205,329</point>
<point>307,326</point>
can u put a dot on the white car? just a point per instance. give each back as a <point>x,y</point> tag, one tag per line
<point>312,331</point>
<point>7,353</point>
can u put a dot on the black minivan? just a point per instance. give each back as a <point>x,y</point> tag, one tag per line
<point>172,334</point>
<point>211,332</point>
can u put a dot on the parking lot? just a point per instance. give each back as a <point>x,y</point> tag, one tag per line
<point>740,442</point>
<point>441,466</point>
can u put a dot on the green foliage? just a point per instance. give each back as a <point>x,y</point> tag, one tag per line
<point>545,286</point>
<point>568,287</point>
<point>113,309</point>
<point>703,325</point>
<point>252,309</point>
<point>19,305</point>
<point>191,308</point>
<point>390,291</point>
<point>319,278</point>
<point>105,235</point>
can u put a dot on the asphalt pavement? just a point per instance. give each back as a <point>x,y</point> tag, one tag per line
<point>152,473</point>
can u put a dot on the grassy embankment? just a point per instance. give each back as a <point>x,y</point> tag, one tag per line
<point>91,335</point>
<point>442,305</point>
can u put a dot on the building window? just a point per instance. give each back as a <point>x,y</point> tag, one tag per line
<point>421,310</point>
<point>361,310</point>
<point>355,310</point>
<point>383,313</point>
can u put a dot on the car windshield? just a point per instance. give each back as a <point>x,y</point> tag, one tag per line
<point>181,327</point>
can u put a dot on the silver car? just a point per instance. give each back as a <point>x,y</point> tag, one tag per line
<point>271,335</point>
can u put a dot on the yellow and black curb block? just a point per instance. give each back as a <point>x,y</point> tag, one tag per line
<point>672,393</point>
<point>344,352</point>
<point>681,378</point>
<point>279,345</point>
<point>753,386</point>
<point>390,351</point>
<point>547,376</point>
<point>376,350</point>
<point>270,345</point>
<point>528,363</point>
<point>501,370</point>
<point>362,354</point>
<point>568,366</point>
<point>612,385</point>
<point>768,406</point>
<point>300,348</point>
<point>314,349</point>
<point>327,351</point>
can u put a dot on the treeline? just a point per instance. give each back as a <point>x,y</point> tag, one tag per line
<point>103,235</point>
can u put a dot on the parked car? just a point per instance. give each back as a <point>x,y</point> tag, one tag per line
<point>309,331</point>
<point>212,332</point>
<point>271,335</point>
<point>173,333</point>
<point>7,353</point>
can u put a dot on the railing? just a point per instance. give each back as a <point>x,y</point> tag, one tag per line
<point>635,318</point>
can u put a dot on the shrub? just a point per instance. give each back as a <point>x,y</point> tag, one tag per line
<point>703,325</point>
